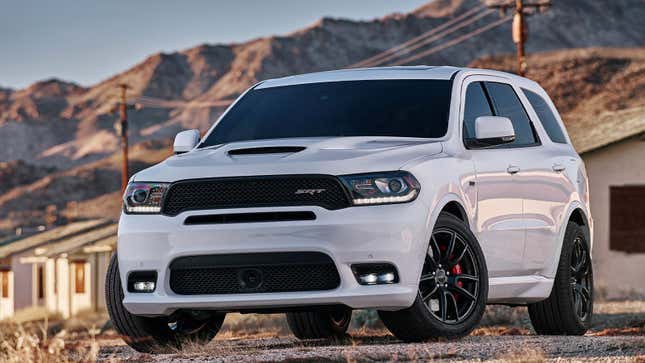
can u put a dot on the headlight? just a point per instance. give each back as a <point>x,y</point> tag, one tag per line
<point>382,188</point>
<point>144,198</point>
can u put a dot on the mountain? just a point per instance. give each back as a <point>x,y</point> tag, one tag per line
<point>587,54</point>
<point>74,125</point>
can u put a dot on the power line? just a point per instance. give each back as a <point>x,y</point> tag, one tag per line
<point>416,39</point>
<point>454,41</point>
<point>152,102</point>
<point>432,39</point>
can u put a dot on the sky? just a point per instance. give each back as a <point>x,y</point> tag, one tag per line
<point>86,41</point>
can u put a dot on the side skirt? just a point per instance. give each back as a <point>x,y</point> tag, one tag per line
<point>519,289</point>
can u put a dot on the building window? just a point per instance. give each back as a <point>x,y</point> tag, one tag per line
<point>4,276</point>
<point>41,282</point>
<point>626,227</point>
<point>79,273</point>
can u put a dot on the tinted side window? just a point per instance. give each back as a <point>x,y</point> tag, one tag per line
<point>476,105</point>
<point>546,116</point>
<point>507,104</point>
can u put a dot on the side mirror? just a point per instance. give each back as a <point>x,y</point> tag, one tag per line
<point>493,130</point>
<point>186,141</point>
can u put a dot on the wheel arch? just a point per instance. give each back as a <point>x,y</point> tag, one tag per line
<point>576,213</point>
<point>578,216</point>
<point>452,204</point>
<point>455,208</point>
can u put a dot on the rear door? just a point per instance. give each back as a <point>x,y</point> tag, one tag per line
<point>499,225</point>
<point>550,178</point>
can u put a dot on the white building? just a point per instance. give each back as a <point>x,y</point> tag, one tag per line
<point>61,270</point>
<point>613,150</point>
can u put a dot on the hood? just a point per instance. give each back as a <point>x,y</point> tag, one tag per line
<point>334,156</point>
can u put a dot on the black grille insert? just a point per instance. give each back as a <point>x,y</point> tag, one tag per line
<point>261,191</point>
<point>253,273</point>
<point>250,218</point>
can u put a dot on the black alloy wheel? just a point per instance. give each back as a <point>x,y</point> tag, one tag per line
<point>581,282</point>
<point>569,308</point>
<point>449,284</point>
<point>453,287</point>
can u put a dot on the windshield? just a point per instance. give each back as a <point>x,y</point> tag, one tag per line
<point>405,108</point>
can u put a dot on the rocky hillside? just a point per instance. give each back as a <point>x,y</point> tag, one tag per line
<point>584,82</point>
<point>58,141</point>
<point>62,124</point>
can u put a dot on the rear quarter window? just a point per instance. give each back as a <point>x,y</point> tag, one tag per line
<point>546,116</point>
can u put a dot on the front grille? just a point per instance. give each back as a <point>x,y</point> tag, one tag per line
<point>263,191</point>
<point>253,273</point>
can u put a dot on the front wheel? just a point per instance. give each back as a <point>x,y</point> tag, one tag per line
<point>158,334</point>
<point>569,308</point>
<point>453,287</point>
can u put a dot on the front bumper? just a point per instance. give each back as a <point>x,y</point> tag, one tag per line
<point>395,234</point>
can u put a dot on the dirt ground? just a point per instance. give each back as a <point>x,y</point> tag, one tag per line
<point>505,334</point>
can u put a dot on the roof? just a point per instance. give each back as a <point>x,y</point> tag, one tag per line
<point>358,74</point>
<point>608,128</point>
<point>102,236</point>
<point>54,235</point>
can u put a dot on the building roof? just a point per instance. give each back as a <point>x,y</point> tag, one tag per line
<point>104,235</point>
<point>51,236</point>
<point>607,129</point>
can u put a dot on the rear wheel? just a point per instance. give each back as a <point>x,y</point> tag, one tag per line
<point>159,334</point>
<point>320,324</point>
<point>453,287</point>
<point>569,308</point>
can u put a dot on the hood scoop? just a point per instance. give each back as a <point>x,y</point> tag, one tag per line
<point>266,150</point>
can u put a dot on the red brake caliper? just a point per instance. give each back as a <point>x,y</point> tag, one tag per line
<point>456,270</point>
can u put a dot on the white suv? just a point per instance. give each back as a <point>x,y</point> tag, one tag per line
<point>422,192</point>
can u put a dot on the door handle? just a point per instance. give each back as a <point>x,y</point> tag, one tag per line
<point>558,168</point>
<point>512,169</point>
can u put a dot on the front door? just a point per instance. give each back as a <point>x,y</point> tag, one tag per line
<point>499,223</point>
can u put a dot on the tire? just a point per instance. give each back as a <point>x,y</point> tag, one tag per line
<point>320,324</point>
<point>569,308</point>
<point>154,335</point>
<point>426,319</point>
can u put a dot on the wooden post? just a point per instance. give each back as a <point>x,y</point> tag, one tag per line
<point>123,117</point>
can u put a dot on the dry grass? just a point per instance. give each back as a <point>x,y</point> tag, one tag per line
<point>253,325</point>
<point>523,355</point>
<point>21,343</point>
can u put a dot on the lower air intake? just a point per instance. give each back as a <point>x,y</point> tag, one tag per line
<point>253,273</point>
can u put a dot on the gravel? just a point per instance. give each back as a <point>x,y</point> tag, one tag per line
<point>618,335</point>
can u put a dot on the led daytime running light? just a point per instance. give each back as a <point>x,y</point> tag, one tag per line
<point>381,188</point>
<point>386,200</point>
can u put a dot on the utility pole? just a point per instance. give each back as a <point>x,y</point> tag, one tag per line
<point>520,29</point>
<point>123,118</point>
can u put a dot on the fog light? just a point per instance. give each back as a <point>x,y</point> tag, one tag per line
<point>375,273</point>
<point>144,286</point>
<point>386,278</point>
<point>368,279</point>
<point>142,281</point>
